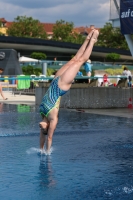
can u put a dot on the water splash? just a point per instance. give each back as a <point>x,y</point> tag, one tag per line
<point>128,190</point>
<point>34,150</point>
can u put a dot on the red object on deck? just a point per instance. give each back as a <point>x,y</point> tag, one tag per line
<point>105,78</point>
<point>130,103</point>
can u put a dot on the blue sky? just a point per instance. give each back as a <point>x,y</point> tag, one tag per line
<point>80,12</point>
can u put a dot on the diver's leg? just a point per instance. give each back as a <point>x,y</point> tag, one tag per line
<point>42,139</point>
<point>77,56</point>
<point>51,129</point>
<point>53,120</point>
<point>67,77</point>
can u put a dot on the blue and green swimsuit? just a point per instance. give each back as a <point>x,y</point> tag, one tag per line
<point>51,98</point>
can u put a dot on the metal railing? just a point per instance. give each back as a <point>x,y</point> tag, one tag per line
<point>11,82</point>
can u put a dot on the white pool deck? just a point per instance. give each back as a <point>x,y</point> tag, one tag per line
<point>30,100</point>
<point>17,99</point>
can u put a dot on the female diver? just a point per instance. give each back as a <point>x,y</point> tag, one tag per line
<point>61,83</point>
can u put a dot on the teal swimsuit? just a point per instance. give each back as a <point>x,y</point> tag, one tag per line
<point>51,98</point>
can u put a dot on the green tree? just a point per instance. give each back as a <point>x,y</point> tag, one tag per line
<point>113,57</point>
<point>37,71</point>
<point>38,55</point>
<point>50,71</point>
<point>111,37</point>
<point>63,31</point>
<point>28,70</point>
<point>27,27</point>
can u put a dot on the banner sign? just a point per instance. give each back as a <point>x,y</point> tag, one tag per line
<point>126,16</point>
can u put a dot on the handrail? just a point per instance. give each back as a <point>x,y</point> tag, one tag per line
<point>51,78</point>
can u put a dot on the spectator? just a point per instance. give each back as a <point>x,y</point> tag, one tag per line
<point>55,61</point>
<point>105,80</point>
<point>87,68</point>
<point>128,74</point>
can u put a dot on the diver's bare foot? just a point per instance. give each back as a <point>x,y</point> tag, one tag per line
<point>90,34</point>
<point>94,36</point>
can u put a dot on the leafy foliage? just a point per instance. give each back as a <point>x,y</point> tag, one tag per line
<point>38,55</point>
<point>111,37</point>
<point>50,71</point>
<point>113,56</point>
<point>28,70</point>
<point>27,27</point>
<point>114,71</point>
<point>63,31</point>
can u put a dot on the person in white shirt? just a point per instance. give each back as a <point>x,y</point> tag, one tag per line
<point>128,74</point>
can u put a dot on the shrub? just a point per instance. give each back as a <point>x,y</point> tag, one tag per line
<point>28,70</point>
<point>114,71</point>
<point>38,55</point>
<point>50,71</point>
<point>113,56</point>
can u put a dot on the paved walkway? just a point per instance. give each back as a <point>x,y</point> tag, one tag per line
<point>30,100</point>
<point>18,99</point>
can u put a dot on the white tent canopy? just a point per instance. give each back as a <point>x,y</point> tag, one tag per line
<point>26,59</point>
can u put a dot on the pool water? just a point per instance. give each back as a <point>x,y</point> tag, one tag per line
<point>92,157</point>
